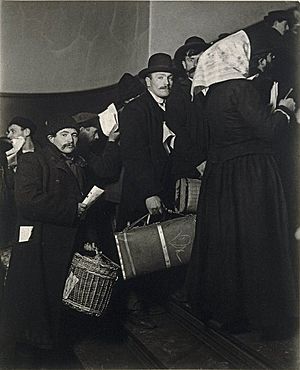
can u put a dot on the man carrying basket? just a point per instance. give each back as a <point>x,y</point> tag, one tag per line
<point>50,187</point>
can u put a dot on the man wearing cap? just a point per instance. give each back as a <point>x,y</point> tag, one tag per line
<point>270,33</point>
<point>102,154</point>
<point>50,187</point>
<point>19,131</point>
<point>270,30</point>
<point>184,116</point>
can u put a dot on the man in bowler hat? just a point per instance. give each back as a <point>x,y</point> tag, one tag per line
<point>145,154</point>
<point>147,144</point>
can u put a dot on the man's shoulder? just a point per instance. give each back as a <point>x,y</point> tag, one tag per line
<point>139,106</point>
<point>35,155</point>
<point>33,159</point>
<point>139,102</point>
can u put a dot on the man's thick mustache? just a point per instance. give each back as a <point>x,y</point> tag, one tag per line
<point>192,70</point>
<point>68,146</point>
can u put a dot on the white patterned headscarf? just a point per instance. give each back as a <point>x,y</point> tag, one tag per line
<point>225,60</point>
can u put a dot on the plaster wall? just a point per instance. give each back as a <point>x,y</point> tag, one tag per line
<point>60,46</point>
<point>172,22</point>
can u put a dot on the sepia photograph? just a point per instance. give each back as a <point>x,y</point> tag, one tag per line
<point>149,184</point>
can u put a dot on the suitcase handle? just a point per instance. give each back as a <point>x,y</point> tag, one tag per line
<point>148,216</point>
<point>129,227</point>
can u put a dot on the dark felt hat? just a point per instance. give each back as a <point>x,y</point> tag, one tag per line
<point>87,119</point>
<point>194,42</point>
<point>159,62</point>
<point>56,124</point>
<point>129,87</point>
<point>24,123</point>
<point>277,15</point>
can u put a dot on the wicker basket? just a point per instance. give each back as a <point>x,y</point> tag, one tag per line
<point>89,285</point>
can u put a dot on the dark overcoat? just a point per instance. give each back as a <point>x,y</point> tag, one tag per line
<point>146,162</point>
<point>186,118</point>
<point>47,194</point>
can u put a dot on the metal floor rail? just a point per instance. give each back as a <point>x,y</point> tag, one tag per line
<point>235,351</point>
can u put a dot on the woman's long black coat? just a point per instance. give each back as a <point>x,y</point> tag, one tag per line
<point>47,194</point>
<point>240,266</point>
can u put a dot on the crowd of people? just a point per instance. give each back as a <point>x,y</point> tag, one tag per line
<point>223,105</point>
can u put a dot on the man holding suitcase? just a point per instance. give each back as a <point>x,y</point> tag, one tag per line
<point>146,149</point>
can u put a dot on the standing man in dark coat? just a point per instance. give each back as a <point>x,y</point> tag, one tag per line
<point>50,187</point>
<point>103,169</point>
<point>147,145</point>
<point>185,117</point>
<point>144,149</point>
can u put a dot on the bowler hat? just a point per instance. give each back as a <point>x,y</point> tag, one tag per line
<point>194,42</point>
<point>159,62</point>
<point>56,124</point>
<point>129,87</point>
<point>87,119</point>
<point>24,123</point>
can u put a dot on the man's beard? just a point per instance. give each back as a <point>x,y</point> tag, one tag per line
<point>191,72</point>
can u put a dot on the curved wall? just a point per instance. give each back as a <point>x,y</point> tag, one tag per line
<point>61,46</point>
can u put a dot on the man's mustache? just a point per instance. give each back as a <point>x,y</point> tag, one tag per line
<point>192,70</point>
<point>68,146</point>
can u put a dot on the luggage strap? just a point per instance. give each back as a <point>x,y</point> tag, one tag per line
<point>164,245</point>
<point>129,254</point>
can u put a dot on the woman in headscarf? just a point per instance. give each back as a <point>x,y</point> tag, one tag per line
<point>240,272</point>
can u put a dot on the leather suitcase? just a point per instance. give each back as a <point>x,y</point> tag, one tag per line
<point>155,247</point>
<point>186,195</point>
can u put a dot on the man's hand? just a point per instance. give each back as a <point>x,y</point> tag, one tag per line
<point>81,210</point>
<point>289,103</point>
<point>154,205</point>
<point>114,134</point>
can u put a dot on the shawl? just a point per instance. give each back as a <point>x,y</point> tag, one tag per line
<point>225,60</point>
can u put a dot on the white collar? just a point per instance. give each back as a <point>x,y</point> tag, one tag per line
<point>157,98</point>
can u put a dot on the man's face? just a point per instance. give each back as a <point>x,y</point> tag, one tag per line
<point>190,63</point>
<point>281,26</point>
<point>14,131</point>
<point>88,134</point>
<point>160,83</point>
<point>65,140</point>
